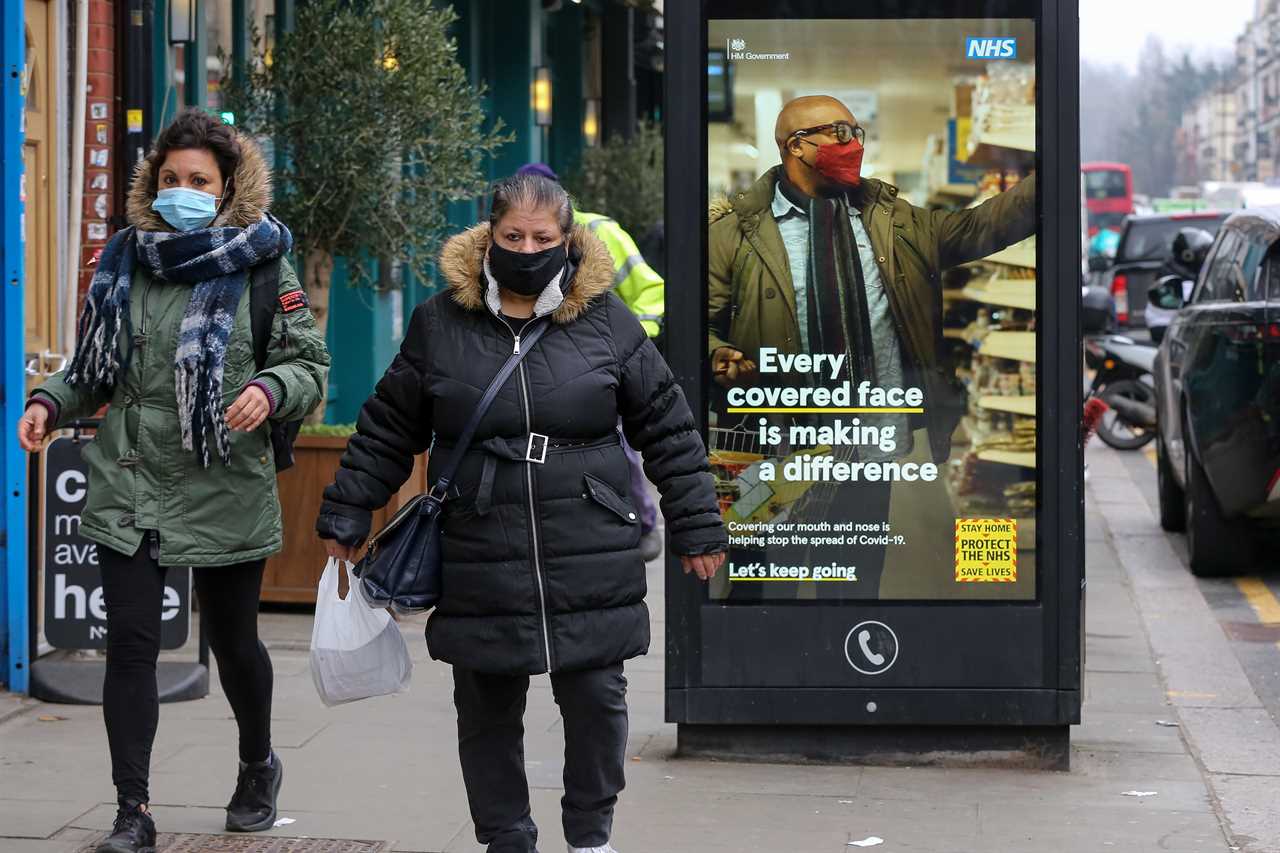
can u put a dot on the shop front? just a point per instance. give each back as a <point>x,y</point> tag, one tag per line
<point>884,348</point>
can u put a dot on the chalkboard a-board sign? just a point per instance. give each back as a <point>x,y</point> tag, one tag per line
<point>75,615</point>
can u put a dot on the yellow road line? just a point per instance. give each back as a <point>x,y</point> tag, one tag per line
<point>1150,452</point>
<point>1261,599</point>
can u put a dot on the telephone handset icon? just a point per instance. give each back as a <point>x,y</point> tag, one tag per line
<point>864,643</point>
<point>871,647</point>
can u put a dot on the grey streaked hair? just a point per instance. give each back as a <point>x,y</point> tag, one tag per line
<point>531,192</point>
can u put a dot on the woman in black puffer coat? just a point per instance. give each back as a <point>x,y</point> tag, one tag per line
<point>542,572</point>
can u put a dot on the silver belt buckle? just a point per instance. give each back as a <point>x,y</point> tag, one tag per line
<point>536,452</point>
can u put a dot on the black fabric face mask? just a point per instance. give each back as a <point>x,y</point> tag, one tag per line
<point>526,273</point>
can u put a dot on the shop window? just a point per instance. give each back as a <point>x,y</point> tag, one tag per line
<point>180,74</point>
<point>218,29</point>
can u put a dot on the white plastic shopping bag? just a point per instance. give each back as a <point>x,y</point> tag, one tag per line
<point>356,652</point>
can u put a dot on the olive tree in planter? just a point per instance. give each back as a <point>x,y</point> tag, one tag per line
<point>623,179</point>
<point>375,127</point>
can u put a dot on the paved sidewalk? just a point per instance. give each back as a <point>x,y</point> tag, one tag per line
<point>1235,740</point>
<point>386,769</point>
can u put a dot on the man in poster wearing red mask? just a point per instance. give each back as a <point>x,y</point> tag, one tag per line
<point>762,246</point>
<point>816,258</point>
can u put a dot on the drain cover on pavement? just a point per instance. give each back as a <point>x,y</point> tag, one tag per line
<point>186,843</point>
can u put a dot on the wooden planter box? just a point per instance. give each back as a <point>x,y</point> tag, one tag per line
<point>292,575</point>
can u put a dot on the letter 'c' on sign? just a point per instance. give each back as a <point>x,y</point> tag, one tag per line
<point>70,486</point>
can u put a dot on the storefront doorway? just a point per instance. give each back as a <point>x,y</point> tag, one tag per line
<point>39,191</point>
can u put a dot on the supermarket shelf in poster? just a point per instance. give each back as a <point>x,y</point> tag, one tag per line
<point>1019,405</point>
<point>1007,156</point>
<point>1004,292</point>
<point>1020,458</point>
<point>1010,149</point>
<point>1018,255</point>
<point>1016,346</point>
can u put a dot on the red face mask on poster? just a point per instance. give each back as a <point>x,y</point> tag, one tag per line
<point>841,162</point>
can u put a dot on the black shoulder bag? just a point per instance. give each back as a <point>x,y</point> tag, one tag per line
<point>403,566</point>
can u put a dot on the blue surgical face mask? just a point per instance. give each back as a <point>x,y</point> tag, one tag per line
<point>186,209</point>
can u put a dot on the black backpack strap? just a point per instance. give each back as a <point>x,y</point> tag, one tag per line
<point>264,302</point>
<point>460,447</point>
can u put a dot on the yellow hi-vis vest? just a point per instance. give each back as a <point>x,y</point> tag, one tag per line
<point>636,283</point>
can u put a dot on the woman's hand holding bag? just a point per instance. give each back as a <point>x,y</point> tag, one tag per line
<point>356,652</point>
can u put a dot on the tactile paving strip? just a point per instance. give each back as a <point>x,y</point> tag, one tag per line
<point>186,843</point>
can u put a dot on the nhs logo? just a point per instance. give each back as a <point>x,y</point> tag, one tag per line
<point>986,47</point>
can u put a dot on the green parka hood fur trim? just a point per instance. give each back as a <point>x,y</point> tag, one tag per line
<point>250,195</point>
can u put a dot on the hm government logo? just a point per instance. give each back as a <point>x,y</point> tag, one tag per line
<point>736,48</point>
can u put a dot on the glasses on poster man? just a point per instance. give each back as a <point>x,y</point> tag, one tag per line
<point>843,131</point>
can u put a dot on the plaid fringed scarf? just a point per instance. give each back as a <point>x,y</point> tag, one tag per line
<point>216,263</point>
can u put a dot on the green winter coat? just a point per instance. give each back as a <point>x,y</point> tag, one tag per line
<point>140,477</point>
<point>752,302</point>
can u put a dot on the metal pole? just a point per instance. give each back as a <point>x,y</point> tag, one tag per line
<point>132,126</point>
<point>15,647</point>
<point>79,96</point>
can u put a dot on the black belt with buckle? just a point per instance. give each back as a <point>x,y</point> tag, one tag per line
<point>532,448</point>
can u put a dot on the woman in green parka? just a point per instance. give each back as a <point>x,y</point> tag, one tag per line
<point>181,472</point>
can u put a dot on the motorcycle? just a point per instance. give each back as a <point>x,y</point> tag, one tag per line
<point>1123,380</point>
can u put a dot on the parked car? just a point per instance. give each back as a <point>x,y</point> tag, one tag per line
<point>1217,378</point>
<point>1145,246</point>
<point>1186,258</point>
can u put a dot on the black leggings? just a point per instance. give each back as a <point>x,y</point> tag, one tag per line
<point>134,589</point>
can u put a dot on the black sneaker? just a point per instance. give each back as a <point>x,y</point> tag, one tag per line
<point>253,805</point>
<point>133,832</point>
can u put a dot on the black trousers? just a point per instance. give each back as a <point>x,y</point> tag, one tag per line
<point>134,589</point>
<point>491,745</point>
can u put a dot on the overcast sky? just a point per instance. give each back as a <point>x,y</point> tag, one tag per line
<point>1112,31</point>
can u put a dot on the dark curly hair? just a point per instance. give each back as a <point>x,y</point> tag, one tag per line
<point>531,192</point>
<point>194,128</point>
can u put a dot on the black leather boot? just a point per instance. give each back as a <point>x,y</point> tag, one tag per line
<point>253,805</point>
<point>133,832</point>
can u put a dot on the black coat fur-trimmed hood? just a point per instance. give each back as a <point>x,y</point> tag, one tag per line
<point>462,265</point>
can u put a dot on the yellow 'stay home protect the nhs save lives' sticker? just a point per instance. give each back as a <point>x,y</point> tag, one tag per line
<point>986,550</point>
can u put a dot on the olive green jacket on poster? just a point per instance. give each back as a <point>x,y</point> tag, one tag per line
<point>140,477</point>
<point>752,301</point>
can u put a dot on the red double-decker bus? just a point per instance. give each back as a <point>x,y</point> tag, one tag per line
<point>1108,195</point>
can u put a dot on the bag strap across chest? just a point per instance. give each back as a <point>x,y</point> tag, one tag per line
<point>440,489</point>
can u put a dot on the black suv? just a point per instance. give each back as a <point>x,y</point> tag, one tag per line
<point>1217,378</point>
<point>1145,245</point>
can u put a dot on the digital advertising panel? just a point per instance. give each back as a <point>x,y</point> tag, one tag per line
<point>871,321</point>
<point>875,315</point>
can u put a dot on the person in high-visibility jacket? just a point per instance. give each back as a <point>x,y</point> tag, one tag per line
<point>636,283</point>
<point>644,292</point>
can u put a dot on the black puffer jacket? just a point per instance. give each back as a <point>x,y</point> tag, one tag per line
<point>542,568</point>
